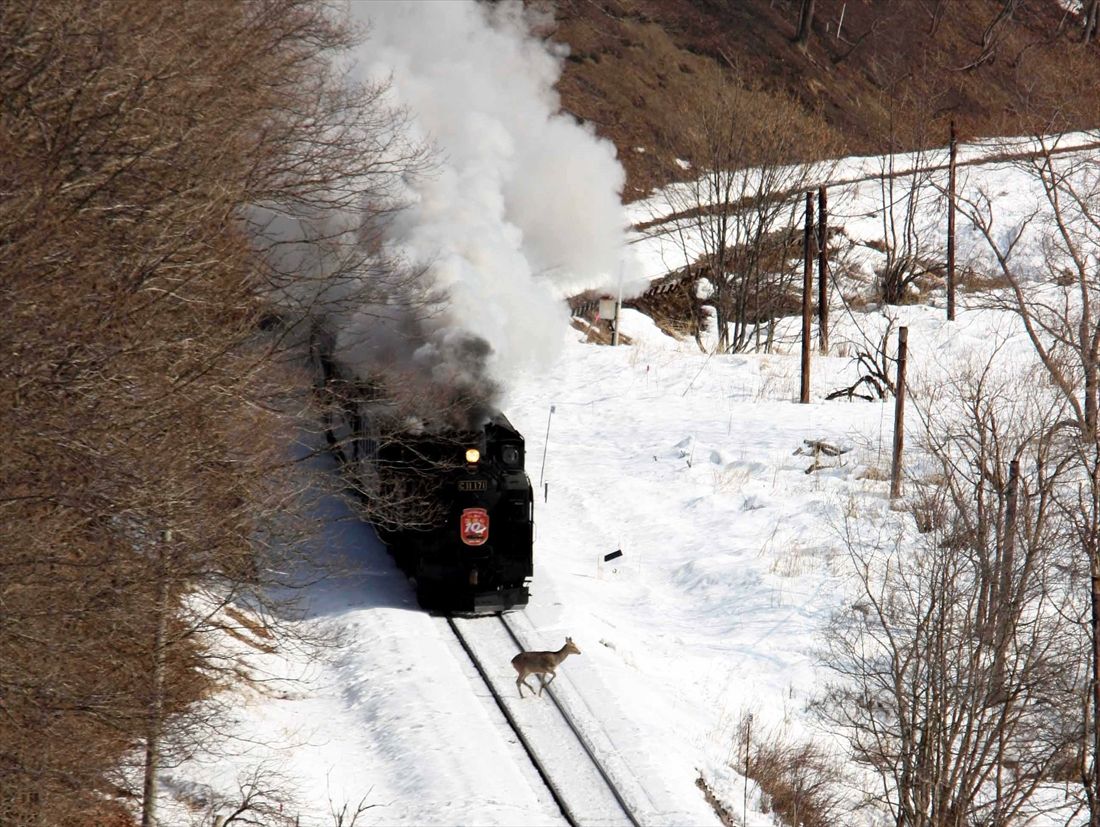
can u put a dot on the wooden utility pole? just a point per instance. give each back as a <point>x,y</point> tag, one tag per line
<point>156,700</point>
<point>899,415</point>
<point>953,152</point>
<point>807,295</point>
<point>823,269</point>
<point>1008,557</point>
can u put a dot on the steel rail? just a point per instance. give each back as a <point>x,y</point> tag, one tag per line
<point>581,739</point>
<point>567,814</point>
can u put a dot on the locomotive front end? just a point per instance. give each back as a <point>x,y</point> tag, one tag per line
<point>482,559</point>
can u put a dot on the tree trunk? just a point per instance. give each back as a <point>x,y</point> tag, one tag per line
<point>1004,603</point>
<point>1092,781</point>
<point>722,314</point>
<point>805,22</point>
<point>1091,390</point>
<point>156,701</point>
<point>1092,12</point>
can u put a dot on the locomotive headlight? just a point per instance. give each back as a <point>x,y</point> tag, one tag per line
<point>472,455</point>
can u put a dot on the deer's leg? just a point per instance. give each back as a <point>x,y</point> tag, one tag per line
<point>522,680</point>
<point>552,676</point>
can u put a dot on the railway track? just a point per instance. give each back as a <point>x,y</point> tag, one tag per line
<point>573,769</point>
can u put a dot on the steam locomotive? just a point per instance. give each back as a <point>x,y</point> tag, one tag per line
<point>471,550</point>
<point>453,505</point>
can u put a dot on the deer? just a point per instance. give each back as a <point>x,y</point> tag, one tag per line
<point>541,664</point>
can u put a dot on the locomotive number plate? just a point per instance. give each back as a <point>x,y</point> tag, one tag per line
<point>473,485</point>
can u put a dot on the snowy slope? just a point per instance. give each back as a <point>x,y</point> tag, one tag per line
<point>730,564</point>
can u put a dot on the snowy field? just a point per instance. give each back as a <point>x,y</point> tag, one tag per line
<point>731,564</point>
<point>689,464</point>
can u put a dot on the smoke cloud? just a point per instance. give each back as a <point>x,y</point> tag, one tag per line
<point>521,209</point>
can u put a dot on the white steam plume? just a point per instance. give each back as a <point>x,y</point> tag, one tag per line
<point>523,207</point>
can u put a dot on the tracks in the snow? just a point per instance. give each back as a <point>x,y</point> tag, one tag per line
<point>566,760</point>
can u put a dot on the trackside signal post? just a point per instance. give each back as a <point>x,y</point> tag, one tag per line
<point>609,310</point>
<point>807,296</point>
<point>899,414</point>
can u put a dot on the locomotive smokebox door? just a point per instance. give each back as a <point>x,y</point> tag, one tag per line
<point>474,526</point>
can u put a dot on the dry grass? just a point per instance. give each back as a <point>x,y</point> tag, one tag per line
<point>793,561</point>
<point>724,815</point>
<point>632,61</point>
<point>875,473</point>
<point>800,781</point>
<point>971,281</point>
<point>731,479</point>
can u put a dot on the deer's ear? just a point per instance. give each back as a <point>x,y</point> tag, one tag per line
<point>569,640</point>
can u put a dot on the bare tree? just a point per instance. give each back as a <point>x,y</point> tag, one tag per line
<point>140,396</point>
<point>805,22</point>
<point>737,221</point>
<point>1089,20</point>
<point>1047,256</point>
<point>993,33</point>
<point>906,194</point>
<point>958,661</point>
<point>909,194</point>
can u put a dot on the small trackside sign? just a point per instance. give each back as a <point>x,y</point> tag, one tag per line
<point>474,526</point>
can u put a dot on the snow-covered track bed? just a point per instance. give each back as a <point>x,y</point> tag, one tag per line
<point>580,775</point>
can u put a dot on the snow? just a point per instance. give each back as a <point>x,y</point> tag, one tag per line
<point>685,463</point>
<point>731,565</point>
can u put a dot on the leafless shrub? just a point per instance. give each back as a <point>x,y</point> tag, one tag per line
<point>876,367</point>
<point>1047,256</point>
<point>802,783</point>
<point>347,815</point>
<point>261,798</point>
<point>908,196</point>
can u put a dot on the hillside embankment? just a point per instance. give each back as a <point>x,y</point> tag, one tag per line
<point>881,75</point>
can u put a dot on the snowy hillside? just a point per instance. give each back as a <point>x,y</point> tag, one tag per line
<point>731,565</point>
<point>706,632</point>
<point>695,466</point>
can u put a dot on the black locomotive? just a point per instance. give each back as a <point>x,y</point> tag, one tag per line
<point>471,549</point>
<point>454,505</point>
